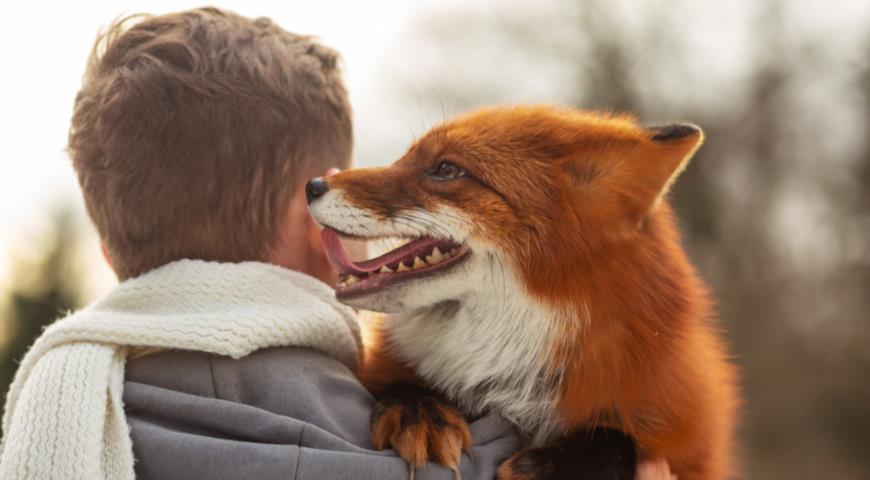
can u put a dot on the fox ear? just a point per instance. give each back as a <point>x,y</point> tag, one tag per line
<point>632,173</point>
<point>671,147</point>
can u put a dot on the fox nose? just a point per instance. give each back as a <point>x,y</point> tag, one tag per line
<point>315,188</point>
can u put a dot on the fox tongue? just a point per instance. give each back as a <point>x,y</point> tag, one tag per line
<point>336,254</point>
<point>338,257</point>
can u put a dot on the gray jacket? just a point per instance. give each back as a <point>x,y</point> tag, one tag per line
<point>280,413</point>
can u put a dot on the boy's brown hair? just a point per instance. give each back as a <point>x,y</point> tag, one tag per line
<point>192,131</point>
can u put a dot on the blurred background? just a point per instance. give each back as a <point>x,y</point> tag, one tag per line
<point>775,208</point>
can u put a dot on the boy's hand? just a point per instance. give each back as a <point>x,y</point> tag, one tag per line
<point>654,469</point>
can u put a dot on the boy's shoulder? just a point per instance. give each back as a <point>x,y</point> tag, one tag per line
<point>282,412</point>
<point>293,382</point>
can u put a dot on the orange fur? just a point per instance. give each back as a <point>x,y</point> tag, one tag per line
<point>579,200</point>
<point>381,368</point>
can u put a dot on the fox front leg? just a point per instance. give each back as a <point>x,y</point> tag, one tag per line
<point>600,454</point>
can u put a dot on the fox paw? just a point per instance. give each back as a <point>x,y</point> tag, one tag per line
<point>421,426</point>
<point>602,454</point>
<point>526,464</point>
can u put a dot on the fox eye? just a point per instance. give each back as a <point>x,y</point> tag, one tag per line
<point>446,171</point>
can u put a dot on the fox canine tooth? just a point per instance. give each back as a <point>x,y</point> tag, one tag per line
<point>402,268</point>
<point>436,256</point>
<point>419,263</point>
<point>351,280</point>
<point>385,269</point>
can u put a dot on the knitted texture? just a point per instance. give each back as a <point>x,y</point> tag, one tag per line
<point>64,416</point>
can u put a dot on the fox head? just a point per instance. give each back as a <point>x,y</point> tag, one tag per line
<point>538,192</point>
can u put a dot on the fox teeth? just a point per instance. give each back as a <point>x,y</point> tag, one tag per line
<point>351,280</point>
<point>436,256</point>
<point>453,251</point>
<point>402,268</point>
<point>385,269</point>
<point>419,263</point>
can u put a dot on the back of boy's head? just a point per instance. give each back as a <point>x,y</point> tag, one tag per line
<point>193,130</point>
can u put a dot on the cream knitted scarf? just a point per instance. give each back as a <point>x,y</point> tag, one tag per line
<point>64,417</point>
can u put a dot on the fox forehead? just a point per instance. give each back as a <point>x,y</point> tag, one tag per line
<point>512,134</point>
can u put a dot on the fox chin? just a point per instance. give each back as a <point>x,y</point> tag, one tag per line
<point>540,276</point>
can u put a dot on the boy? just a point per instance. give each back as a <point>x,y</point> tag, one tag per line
<point>191,137</point>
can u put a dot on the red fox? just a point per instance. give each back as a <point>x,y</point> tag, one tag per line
<point>544,280</point>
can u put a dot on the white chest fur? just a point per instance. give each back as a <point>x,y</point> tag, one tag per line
<point>488,351</point>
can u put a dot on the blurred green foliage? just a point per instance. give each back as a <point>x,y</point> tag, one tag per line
<point>44,286</point>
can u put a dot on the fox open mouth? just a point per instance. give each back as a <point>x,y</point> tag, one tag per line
<point>420,257</point>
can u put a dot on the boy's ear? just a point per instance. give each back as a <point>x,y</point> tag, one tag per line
<point>658,165</point>
<point>105,251</point>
